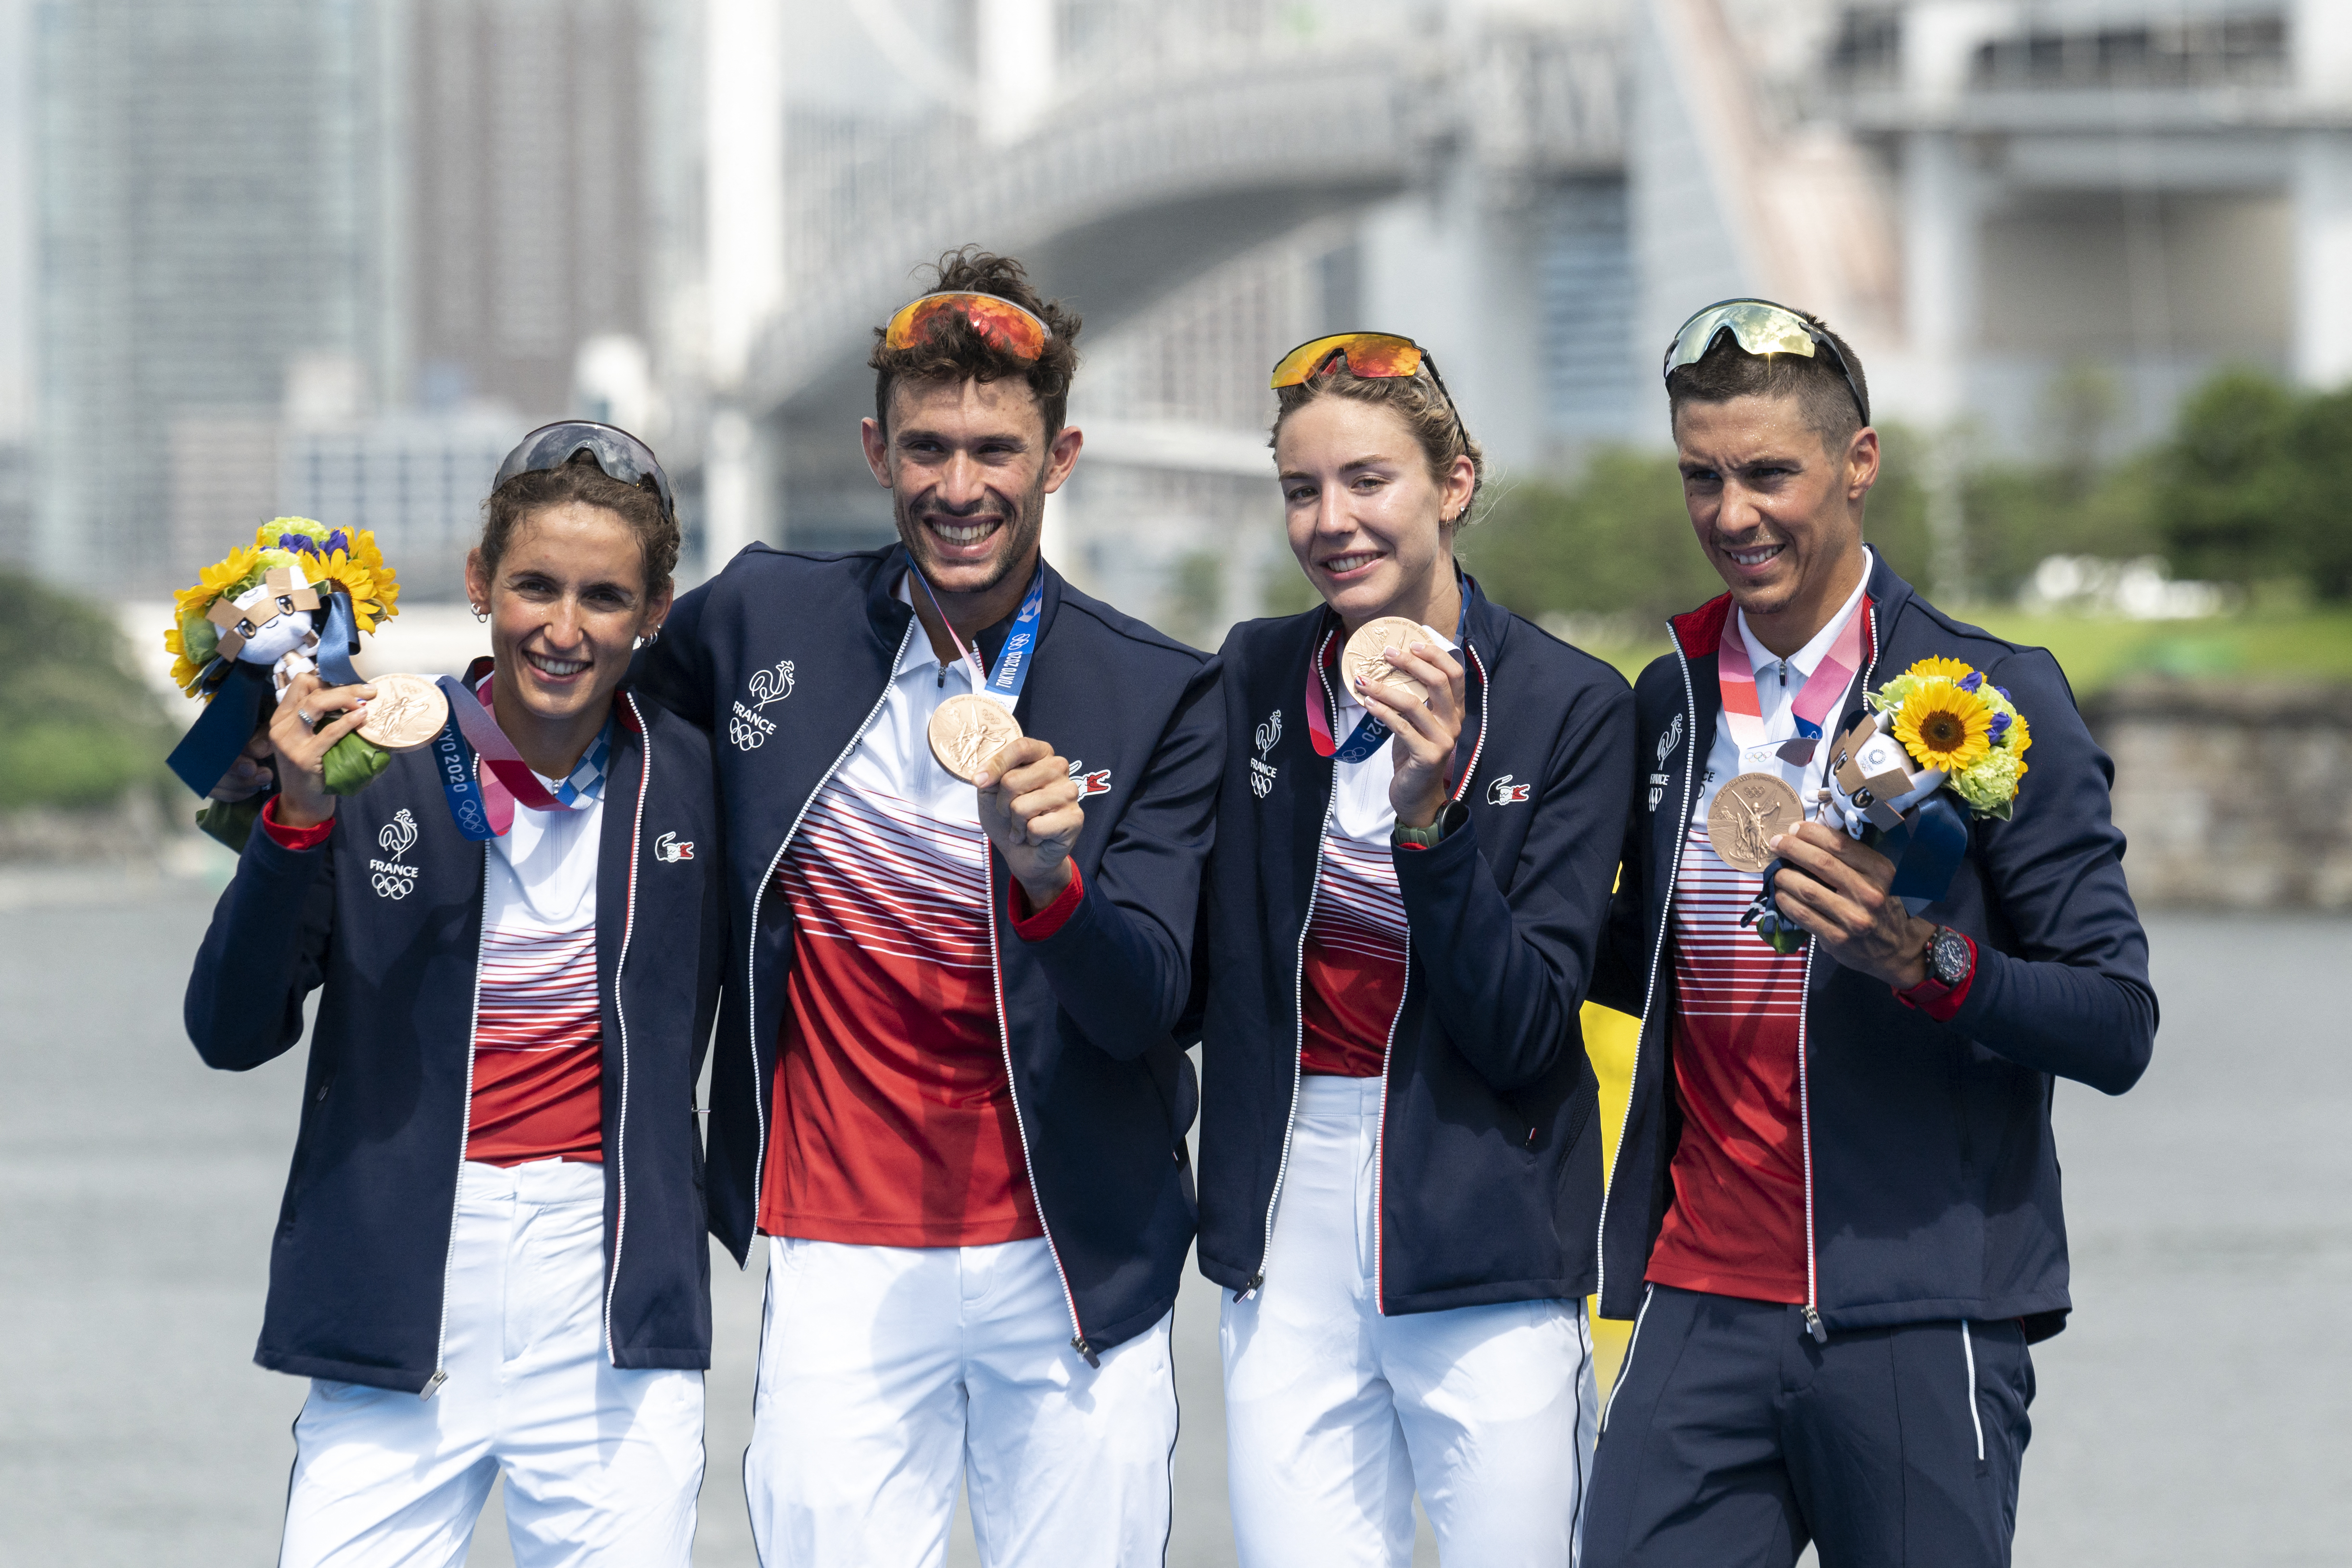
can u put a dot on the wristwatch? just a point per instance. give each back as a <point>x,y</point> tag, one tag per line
<point>1418,838</point>
<point>1949,957</point>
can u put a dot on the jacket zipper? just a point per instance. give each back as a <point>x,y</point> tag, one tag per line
<point>1013,1091</point>
<point>1298,1002</point>
<point>1388,1047</point>
<point>751,950</point>
<point>1813,1324</point>
<point>1381,1143</point>
<point>621,1018</point>
<point>1657,951</point>
<point>465,1137</point>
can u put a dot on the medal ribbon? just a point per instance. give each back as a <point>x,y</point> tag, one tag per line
<point>1020,650</point>
<point>1366,737</point>
<point>1741,710</point>
<point>486,809</point>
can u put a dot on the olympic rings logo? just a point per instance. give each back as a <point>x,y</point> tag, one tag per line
<point>390,887</point>
<point>746,735</point>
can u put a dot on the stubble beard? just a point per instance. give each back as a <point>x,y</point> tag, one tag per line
<point>1020,532</point>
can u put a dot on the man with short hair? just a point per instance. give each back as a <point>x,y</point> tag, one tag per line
<point>1834,1212</point>
<point>945,1083</point>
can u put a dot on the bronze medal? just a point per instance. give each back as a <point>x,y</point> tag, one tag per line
<point>406,712</point>
<point>1749,812</point>
<point>1363,660</point>
<point>967,732</point>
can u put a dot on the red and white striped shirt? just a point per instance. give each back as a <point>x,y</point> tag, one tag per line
<point>538,1023</point>
<point>1355,957</point>
<point>894,1117</point>
<point>1737,1226</point>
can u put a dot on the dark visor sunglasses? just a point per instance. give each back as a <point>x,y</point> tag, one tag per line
<point>619,454</point>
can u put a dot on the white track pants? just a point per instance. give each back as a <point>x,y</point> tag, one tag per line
<point>886,1372</point>
<point>602,1466</point>
<point>1335,1414</point>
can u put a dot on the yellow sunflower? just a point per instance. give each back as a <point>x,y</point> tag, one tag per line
<point>371,602</point>
<point>221,577</point>
<point>1944,727</point>
<point>1936,669</point>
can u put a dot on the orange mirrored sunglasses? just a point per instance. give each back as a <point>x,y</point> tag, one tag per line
<point>1003,323</point>
<point>1376,356</point>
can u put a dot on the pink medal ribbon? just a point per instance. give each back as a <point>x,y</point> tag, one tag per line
<point>1820,695</point>
<point>506,779</point>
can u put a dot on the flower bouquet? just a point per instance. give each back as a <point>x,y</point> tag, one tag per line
<point>296,599</point>
<point>1936,739</point>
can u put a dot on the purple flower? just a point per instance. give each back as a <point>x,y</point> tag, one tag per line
<point>339,540</point>
<point>2005,697</point>
<point>1972,680</point>
<point>302,543</point>
<point>1999,726</point>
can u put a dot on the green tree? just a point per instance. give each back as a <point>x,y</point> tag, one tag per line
<point>81,727</point>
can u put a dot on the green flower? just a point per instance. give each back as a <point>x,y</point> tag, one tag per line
<point>1990,785</point>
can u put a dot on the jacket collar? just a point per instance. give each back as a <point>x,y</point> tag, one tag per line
<point>888,615</point>
<point>1700,631</point>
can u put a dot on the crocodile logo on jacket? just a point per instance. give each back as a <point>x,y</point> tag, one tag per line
<point>1503,791</point>
<point>1090,783</point>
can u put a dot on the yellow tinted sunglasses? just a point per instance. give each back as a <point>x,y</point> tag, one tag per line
<point>1761,328</point>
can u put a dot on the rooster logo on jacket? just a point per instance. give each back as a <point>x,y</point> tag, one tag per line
<point>1262,773</point>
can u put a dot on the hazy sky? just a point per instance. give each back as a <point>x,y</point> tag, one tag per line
<point>15,218</point>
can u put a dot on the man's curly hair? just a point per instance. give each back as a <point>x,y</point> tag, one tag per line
<point>950,349</point>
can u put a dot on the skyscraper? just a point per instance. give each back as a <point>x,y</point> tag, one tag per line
<point>207,203</point>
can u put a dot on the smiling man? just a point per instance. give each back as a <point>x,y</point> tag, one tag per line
<point>968,809</point>
<point>1834,1212</point>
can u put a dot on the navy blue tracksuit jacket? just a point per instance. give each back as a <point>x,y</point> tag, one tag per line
<point>385,919</point>
<point>1933,1177</point>
<point>785,657</point>
<point>1490,1146</point>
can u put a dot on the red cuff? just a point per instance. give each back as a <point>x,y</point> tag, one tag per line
<point>1045,922</point>
<point>1938,1001</point>
<point>293,838</point>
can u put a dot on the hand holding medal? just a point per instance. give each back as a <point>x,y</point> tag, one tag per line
<point>1406,676</point>
<point>1028,802</point>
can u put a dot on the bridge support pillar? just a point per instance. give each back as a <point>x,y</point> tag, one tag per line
<point>2323,257</point>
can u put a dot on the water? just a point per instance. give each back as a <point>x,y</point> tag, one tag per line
<point>2197,1411</point>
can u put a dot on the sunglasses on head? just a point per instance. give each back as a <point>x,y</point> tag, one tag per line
<point>1762,329</point>
<point>1005,325</point>
<point>619,454</point>
<point>1374,356</point>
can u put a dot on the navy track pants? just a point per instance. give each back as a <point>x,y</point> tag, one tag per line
<point>1732,1440</point>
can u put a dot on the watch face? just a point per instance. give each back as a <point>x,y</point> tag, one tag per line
<point>1948,957</point>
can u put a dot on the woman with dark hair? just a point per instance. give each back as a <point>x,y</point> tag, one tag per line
<point>490,1258</point>
<point>1400,1162</point>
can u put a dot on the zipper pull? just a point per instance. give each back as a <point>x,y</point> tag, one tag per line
<point>433,1386</point>
<point>1078,1343</point>
<point>1250,1289</point>
<point>1814,1326</point>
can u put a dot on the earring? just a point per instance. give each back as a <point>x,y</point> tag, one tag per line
<point>647,640</point>
<point>480,614</point>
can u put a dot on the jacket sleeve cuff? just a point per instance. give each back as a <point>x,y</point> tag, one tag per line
<point>286,837</point>
<point>1037,925</point>
<point>1938,1001</point>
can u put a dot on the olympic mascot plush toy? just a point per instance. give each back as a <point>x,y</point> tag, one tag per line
<point>296,599</point>
<point>1938,745</point>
